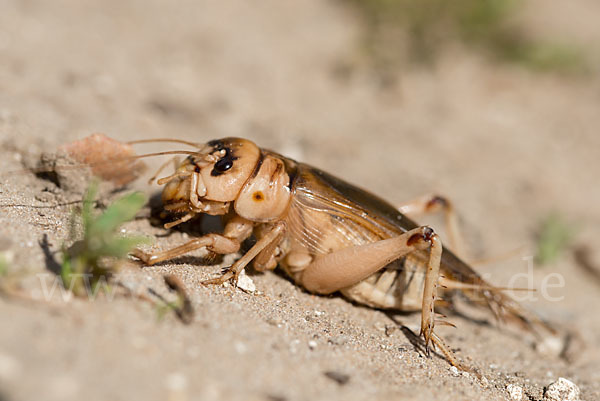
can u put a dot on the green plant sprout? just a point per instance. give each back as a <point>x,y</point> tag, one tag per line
<point>3,266</point>
<point>554,237</point>
<point>164,307</point>
<point>3,273</point>
<point>425,26</point>
<point>89,262</point>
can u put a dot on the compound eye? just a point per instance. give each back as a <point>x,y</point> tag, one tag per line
<point>222,165</point>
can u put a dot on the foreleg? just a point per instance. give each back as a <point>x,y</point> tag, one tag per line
<point>235,232</point>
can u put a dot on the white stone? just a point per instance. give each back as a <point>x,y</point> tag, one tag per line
<point>176,384</point>
<point>562,390</point>
<point>240,347</point>
<point>245,283</point>
<point>176,381</point>
<point>515,392</point>
<point>550,346</point>
<point>7,256</point>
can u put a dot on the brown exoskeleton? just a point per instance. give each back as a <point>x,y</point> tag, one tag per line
<point>327,234</point>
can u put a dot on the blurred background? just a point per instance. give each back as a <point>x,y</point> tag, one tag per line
<point>492,103</point>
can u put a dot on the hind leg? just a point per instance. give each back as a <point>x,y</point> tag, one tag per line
<point>343,268</point>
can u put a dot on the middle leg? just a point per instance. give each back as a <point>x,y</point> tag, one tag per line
<point>267,243</point>
<point>430,204</point>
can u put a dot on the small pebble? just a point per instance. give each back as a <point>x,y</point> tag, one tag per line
<point>245,283</point>
<point>312,344</point>
<point>176,384</point>
<point>339,377</point>
<point>7,257</point>
<point>454,371</point>
<point>294,345</point>
<point>515,392</point>
<point>275,321</point>
<point>240,347</point>
<point>550,346</point>
<point>176,381</point>
<point>562,390</point>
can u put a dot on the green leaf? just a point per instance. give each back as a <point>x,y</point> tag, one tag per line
<point>87,214</point>
<point>163,308</point>
<point>119,212</point>
<point>66,272</point>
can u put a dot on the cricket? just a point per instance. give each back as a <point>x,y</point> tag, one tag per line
<point>326,234</point>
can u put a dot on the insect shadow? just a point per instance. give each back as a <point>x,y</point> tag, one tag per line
<point>49,257</point>
<point>415,340</point>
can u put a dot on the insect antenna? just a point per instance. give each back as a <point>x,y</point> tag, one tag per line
<point>195,144</point>
<point>135,157</point>
<point>174,160</point>
<point>39,170</point>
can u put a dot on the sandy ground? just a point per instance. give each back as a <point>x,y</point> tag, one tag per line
<point>506,145</point>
